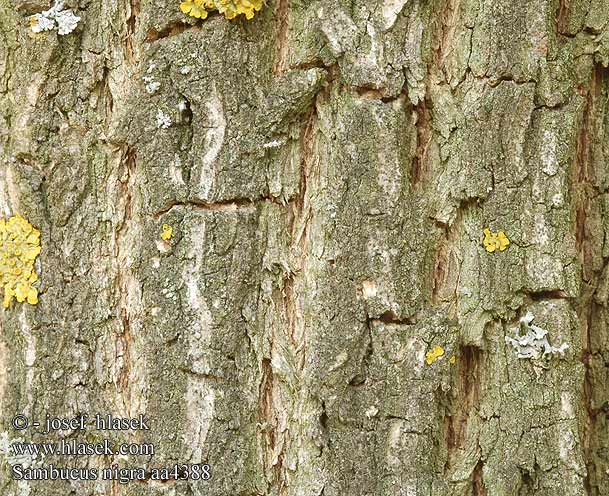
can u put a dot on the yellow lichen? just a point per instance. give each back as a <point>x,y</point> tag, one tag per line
<point>19,247</point>
<point>434,354</point>
<point>230,8</point>
<point>493,241</point>
<point>196,8</point>
<point>453,360</point>
<point>166,232</point>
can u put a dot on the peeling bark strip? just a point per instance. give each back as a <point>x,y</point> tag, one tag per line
<point>592,307</point>
<point>361,200</point>
<point>133,9</point>
<point>469,387</point>
<point>282,16</point>
<point>424,136</point>
<point>477,482</point>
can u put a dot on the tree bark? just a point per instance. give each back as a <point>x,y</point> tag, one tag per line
<point>327,170</point>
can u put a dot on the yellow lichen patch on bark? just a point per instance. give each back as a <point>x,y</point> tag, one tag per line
<point>434,354</point>
<point>166,232</point>
<point>19,247</point>
<point>230,8</point>
<point>495,241</point>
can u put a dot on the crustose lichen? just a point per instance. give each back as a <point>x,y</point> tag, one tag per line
<point>19,247</point>
<point>230,8</point>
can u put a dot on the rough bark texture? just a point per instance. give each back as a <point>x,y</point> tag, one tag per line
<point>328,173</point>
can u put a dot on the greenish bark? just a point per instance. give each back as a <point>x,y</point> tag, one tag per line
<point>328,171</point>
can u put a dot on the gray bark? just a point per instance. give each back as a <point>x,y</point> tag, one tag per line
<point>328,173</point>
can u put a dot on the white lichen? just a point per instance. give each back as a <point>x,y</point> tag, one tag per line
<point>531,341</point>
<point>42,23</point>
<point>25,459</point>
<point>152,86</point>
<point>163,121</point>
<point>273,144</point>
<point>65,21</point>
<point>372,412</point>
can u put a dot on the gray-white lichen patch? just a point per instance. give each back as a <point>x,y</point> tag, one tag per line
<point>531,341</point>
<point>163,121</point>
<point>65,21</point>
<point>25,459</point>
<point>151,85</point>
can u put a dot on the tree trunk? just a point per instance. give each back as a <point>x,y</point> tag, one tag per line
<point>322,313</point>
